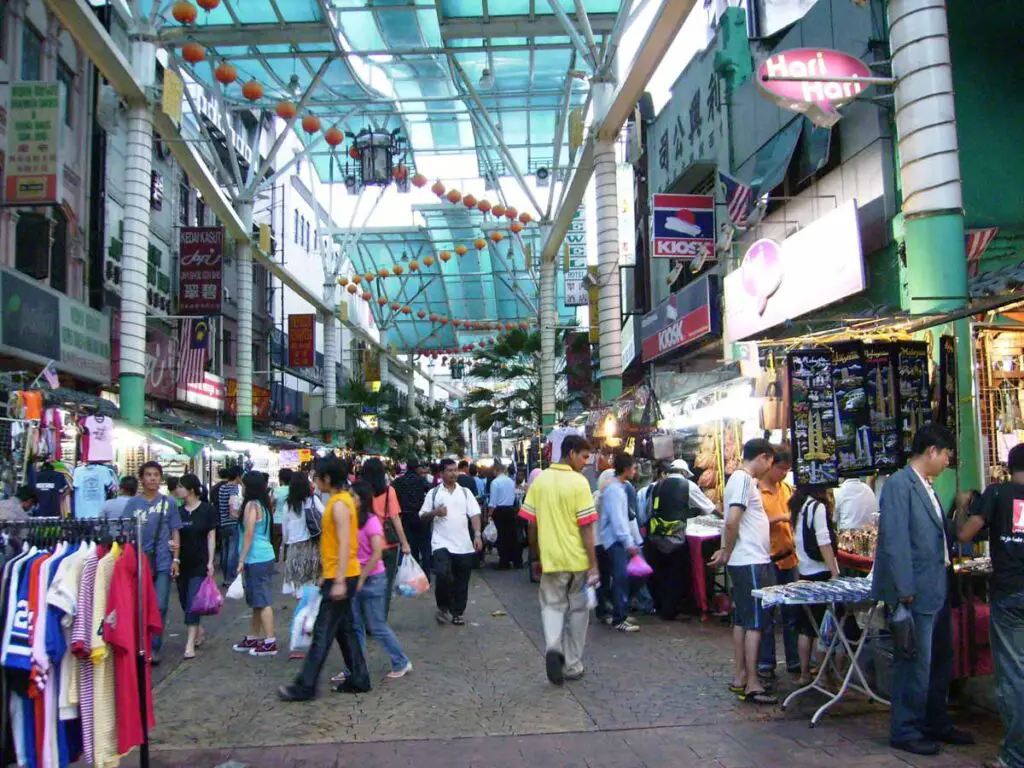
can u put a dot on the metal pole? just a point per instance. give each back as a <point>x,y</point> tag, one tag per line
<point>141,660</point>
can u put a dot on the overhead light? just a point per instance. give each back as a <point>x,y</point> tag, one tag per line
<point>543,177</point>
<point>293,85</point>
<point>486,79</point>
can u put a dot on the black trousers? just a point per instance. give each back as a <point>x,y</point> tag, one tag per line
<point>452,590</point>
<point>510,551</point>
<point>671,583</point>
<point>418,533</point>
<point>334,621</point>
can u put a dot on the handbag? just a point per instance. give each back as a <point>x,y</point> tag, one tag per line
<point>390,531</point>
<point>773,409</point>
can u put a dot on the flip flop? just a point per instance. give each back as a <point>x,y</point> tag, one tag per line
<point>190,655</point>
<point>737,689</point>
<point>761,698</point>
<point>339,678</point>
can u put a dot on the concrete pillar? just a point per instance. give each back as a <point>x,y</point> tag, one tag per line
<point>243,259</point>
<point>610,294</point>
<point>548,320</point>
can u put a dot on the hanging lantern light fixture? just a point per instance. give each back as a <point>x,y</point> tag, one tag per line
<point>383,273</point>
<point>184,12</point>
<point>400,173</point>
<point>421,314</point>
<point>444,255</point>
<point>311,123</point>
<point>511,213</point>
<point>516,227</point>
<point>469,201</point>
<point>353,152</point>
<point>193,52</point>
<point>525,218</point>
<point>395,306</point>
<point>367,295</point>
<point>334,136</point>
<point>479,243</point>
<point>498,210</point>
<point>342,281</point>
<point>419,180</point>
<point>369,277</point>
<point>286,110</point>
<point>225,73</point>
<point>357,279</point>
<point>382,300</point>
<point>460,249</point>
<point>397,269</point>
<point>428,261</point>
<point>454,196</point>
<point>437,188</point>
<point>484,206</point>
<point>252,90</point>
<point>208,5</point>
<point>497,236</point>
<point>414,265</point>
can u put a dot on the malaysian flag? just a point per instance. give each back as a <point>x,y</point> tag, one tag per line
<point>50,375</point>
<point>738,198</point>
<point>976,242</point>
<point>192,350</point>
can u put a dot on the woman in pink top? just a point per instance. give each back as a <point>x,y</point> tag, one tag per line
<point>372,587</point>
<point>389,511</point>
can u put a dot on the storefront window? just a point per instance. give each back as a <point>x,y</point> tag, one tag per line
<point>227,348</point>
<point>31,53</point>
<point>3,30</point>
<point>183,204</point>
<point>66,76</point>
<point>31,249</point>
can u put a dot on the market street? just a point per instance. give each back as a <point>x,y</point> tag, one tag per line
<point>478,697</point>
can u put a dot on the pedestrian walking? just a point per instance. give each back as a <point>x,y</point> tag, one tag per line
<point>560,510</point>
<point>912,567</point>
<point>412,487</point>
<point>502,503</point>
<point>370,603</point>
<point>256,565</point>
<point>615,546</point>
<point>340,571</point>
<point>229,497</point>
<point>452,509</point>
<point>198,545</point>
<point>302,522</point>
<point>389,511</point>
<point>284,479</point>
<point>1000,509</point>
<point>746,545</point>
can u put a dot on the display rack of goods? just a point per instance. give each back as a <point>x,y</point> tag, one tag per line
<point>946,391</point>
<point>883,400</point>
<point>853,421</point>
<point>915,392</point>
<point>813,418</point>
<point>859,541</point>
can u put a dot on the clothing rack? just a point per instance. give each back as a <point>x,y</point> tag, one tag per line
<point>58,527</point>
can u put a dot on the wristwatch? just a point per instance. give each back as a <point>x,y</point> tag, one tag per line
<point>176,561</point>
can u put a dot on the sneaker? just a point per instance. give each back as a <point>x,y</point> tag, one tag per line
<point>608,621</point>
<point>395,674</point>
<point>296,655</point>
<point>627,626</point>
<point>442,616</point>
<point>264,649</point>
<point>245,646</point>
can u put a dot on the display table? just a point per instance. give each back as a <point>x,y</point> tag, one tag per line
<point>854,562</point>
<point>696,536</point>
<point>841,591</point>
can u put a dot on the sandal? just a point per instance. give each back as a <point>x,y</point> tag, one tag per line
<point>190,655</point>
<point>458,621</point>
<point>201,638</point>
<point>339,678</point>
<point>759,697</point>
<point>737,689</point>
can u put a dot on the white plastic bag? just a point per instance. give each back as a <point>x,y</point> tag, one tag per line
<point>237,590</point>
<point>591,597</point>
<point>410,580</point>
<point>304,619</point>
<point>491,533</point>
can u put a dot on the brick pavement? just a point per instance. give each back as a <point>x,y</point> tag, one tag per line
<point>478,697</point>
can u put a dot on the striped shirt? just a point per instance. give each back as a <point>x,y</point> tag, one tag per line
<point>81,646</point>
<point>104,696</point>
<point>224,494</point>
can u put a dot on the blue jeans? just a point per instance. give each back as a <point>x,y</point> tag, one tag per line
<point>1007,630</point>
<point>789,613</point>
<point>229,552</point>
<point>162,585</point>
<point>371,609</point>
<point>920,686</point>
<point>614,587</point>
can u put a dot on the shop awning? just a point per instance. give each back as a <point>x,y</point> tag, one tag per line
<point>187,446</point>
<point>69,398</point>
<point>774,157</point>
<point>813,153</point>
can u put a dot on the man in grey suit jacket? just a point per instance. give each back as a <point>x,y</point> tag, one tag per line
<point>911,564</point>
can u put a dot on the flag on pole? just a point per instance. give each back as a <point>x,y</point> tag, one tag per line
<point>738,198</point>
<point>192,348</point>
<point>50,375</point>
<point>976,242</point>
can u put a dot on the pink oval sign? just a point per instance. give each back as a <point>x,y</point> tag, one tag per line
<point>814,92</point>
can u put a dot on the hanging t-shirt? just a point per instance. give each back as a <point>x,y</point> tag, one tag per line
<point>101,438</point>
<point>92,482</point>
<point>50,486</point>
<point>104,692</point>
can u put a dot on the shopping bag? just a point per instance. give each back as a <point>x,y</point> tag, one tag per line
<point>591,597</point>
<point>638,568</point>
<point>304,619</point>
<point>491,533</point>
<point>410,579</point>
<point>208,599</point>
<point>237,590</point>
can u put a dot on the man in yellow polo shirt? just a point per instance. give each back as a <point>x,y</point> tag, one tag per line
<point>560,510</point>
<point>775,496</point>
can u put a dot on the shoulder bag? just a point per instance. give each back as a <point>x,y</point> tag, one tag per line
<point>314,518</point>
<point>390,531</point>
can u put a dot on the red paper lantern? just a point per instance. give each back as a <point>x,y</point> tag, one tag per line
<point>456,322</point>
<point>428,261</point>
<point>484,206</point>
<point>461,249</point>
<point>395,306</point>
<point>369,277</point>
<point>184,12</point>
<point>525,217</point>
<point>208,5</point>
<point>311,123</point>
<point>353,152</point>
<point>498,210</point>
<point>479,243</point>
<point>352,288</point>
<point>516,227</point>
<point>334,136</point>
<point>367,295</point>
<point>225,73</point>
<point>497,236</point>
<point>443,320</point>
<point>286,110</point>
<point>509,326</point>
<point>382,300</point>
<point>444,255</point>
<point>397,269</point>
<point>357,279</point>
<point>400,173</point>
<point>433,317</point>
<point>193,52</point>
<point>421,314</point>
<point>419,180</point>
<point>342,281</point>
<point>524,325</point>
<point>383,273</point>
<point>469,201</point>
<point>407,310</point>
<point>252,90</point>
<point>511,213</point>
<point>414,265</point>
<point>437,188</point>
<point>454,196</point>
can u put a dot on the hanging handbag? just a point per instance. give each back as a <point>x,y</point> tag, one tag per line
<point>390,531</point>
<point>773,411</point>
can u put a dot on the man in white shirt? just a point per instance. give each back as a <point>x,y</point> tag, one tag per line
<point>856,505</point>
<point>502,506</point>
<point>452,509</point>
<point>746,550</point>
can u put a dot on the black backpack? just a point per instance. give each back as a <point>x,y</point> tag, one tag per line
<point>670,506</point>
<point>811,546</point>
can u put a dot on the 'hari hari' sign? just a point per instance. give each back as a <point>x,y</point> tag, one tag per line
<point>816,94</point>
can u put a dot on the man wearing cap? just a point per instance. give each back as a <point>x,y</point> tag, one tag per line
<point>670,502</point>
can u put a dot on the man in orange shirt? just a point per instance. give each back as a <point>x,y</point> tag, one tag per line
<point>775,495</point>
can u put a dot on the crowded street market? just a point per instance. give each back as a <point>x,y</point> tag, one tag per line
<point>644,377</point>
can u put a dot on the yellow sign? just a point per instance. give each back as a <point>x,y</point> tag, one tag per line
<point>371,365</point>
<point>575,130</point>
<point>265,238</point>
<point>595,312</point>
<point>174,91</point>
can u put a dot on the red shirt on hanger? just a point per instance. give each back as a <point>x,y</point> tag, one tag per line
<point>120,630</point>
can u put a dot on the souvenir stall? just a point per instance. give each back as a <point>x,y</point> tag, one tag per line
<point>999,353</point>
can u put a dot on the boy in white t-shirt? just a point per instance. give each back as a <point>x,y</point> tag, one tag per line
<point>746,550</point>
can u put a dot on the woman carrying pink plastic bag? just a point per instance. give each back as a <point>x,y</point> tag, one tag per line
<point>198,544</point>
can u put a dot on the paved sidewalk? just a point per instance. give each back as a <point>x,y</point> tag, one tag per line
<point>478,697</point>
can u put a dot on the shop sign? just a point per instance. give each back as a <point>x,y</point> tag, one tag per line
<point>201,267</point>
<point>161,357</point>
<point>681,319</point>
<point>776,282</point>
<point>261,400</point>
<point>371,365</point>
<point>684,226</point>
<point>34,160</point>
<point>208,393</point>
<point>302,341</point>
<point>816,99</point>
<point>575,260</point>
<point>628,342</point>
<point>576,287</point>
<point>41,324</point>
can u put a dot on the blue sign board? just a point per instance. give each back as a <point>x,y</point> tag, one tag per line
<point>684,226</point>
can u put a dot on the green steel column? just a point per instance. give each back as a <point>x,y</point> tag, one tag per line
<point>969,434</point>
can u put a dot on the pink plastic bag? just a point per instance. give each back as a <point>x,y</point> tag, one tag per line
<point>208,599</point>
<point>638,568</point>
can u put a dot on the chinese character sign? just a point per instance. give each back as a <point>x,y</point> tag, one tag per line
<point>301,341</point>
<point>201,267</point>
<point>35,115</point>
<point>576,260</point>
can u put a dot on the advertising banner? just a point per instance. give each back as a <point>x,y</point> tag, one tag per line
<point>684,317</point>
<point>34,161</point>
<point>302,341</point>
<point>817,99</point>
<point>575,266</point>
<point>371,365</point>
<point>40,324</point>
<point>209,393</point>
<point>261,400</point>
<point>684,226</point>
<point>161,360</point>
<point>201,267</point>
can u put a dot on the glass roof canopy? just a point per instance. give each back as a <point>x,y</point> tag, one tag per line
<point>449,75</point>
